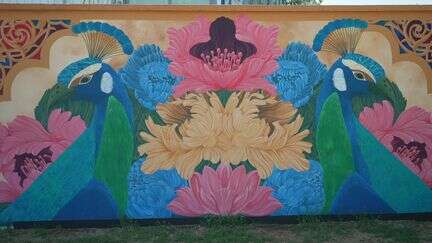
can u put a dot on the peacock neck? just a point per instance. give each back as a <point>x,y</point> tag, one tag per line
<point>99,120</point>
<point>350,121</point>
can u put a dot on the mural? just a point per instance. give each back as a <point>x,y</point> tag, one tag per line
<point>223,121</point>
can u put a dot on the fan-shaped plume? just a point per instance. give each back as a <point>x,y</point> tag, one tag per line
<point>340,36</point>
<point>103,40</point>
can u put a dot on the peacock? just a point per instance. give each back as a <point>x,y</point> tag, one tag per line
<point>89,180</point>
<point>360,174</point>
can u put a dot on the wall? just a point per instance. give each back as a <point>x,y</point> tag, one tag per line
<point>165,112</point>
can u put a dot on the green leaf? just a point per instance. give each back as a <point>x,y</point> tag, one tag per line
<point>334,149</point>
<point>384,90</point>
<point>140,115</point>
<point>393,94</point>
<point>60,97</point>
<point>115,153</point>
<point>308,113</point>
<point>223,96</point>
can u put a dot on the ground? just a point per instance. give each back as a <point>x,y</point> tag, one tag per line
<point>235,230</point>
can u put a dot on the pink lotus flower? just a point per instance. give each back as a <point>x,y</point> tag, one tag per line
<point>224,192</point>
<point>27,149</point>
<point>409,137</point>
<point>224,54</point>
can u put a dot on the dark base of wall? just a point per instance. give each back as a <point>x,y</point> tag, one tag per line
<point>189,221</point>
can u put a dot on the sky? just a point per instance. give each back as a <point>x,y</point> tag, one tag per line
<point>375,2</point>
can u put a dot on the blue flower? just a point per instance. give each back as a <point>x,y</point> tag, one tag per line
<point>299,71</point>
<point>150,194</point>
<point>147,74</point>
<point>300,193</point>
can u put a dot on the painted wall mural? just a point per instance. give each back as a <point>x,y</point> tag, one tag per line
<point>223,118</point>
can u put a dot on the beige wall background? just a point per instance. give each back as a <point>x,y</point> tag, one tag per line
<point>30,83</point>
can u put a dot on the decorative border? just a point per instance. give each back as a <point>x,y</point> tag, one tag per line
<point>22,40</point>
<point>413,36</point>
<point>410,40</point>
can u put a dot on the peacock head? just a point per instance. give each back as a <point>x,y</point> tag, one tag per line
<point>352,74</point>
<point>92,78</point>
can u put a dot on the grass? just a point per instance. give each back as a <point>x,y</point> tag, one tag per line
<point>236,229</point>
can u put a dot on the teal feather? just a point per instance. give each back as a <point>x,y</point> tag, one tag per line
<point>374,67</point>
<point>59,184</point>
<point>403,191</point>
<point>67,73</point>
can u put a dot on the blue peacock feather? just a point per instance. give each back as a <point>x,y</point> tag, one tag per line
<point>371,65</point>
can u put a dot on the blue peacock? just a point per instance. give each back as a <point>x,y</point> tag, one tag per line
<point>89,180</point>
<point>360,174</point>
<point>93,177</point>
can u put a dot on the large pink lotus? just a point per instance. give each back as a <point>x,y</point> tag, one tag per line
<point>224,192</point>
<point>224,54</point>
<point>27,149</point>
<point>409,137</point>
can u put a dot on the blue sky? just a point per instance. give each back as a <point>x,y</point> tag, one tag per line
<point>375,2</point>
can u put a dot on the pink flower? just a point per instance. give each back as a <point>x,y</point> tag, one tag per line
<point>224,54</point>
<point>27,149</point>
<point>10,188</point>
<point>224,192</point>
<point>409,137</point>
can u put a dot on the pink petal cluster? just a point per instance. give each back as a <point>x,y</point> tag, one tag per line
<point>414,124</point>
<point>25,135</point>
<point>199,76</point>
<point>224,192</point>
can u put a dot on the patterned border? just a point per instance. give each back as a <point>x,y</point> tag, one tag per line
<point>414,36</point>
<point>22,40</point>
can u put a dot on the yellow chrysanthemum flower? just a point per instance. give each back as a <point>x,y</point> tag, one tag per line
<point>251,126</point>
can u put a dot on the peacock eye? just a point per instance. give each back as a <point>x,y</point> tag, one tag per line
<point>85,79</point>
<point>361,75</point>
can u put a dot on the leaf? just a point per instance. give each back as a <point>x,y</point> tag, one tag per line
<point>61,97</point>
<point>115,153</point>
<point>384,90</point>
<point>307,111</point>
<point>140,115</point>
<point>223,96</point>
<point>334,149</point>
<point>393,94</point>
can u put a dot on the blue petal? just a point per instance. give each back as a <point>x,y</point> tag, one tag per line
<point>299,192</point>
<point>150,194</point>
<point>148,75</point>
<point>299,71</point>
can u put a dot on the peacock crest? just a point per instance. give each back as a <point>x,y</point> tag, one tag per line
<point>102,40</point>
<point>340,36</point>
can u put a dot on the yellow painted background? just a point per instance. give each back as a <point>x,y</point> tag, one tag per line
<point>30,82</point>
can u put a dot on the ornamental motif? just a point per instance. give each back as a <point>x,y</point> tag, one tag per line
<point>413,35</point>
<point>22,40</point>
